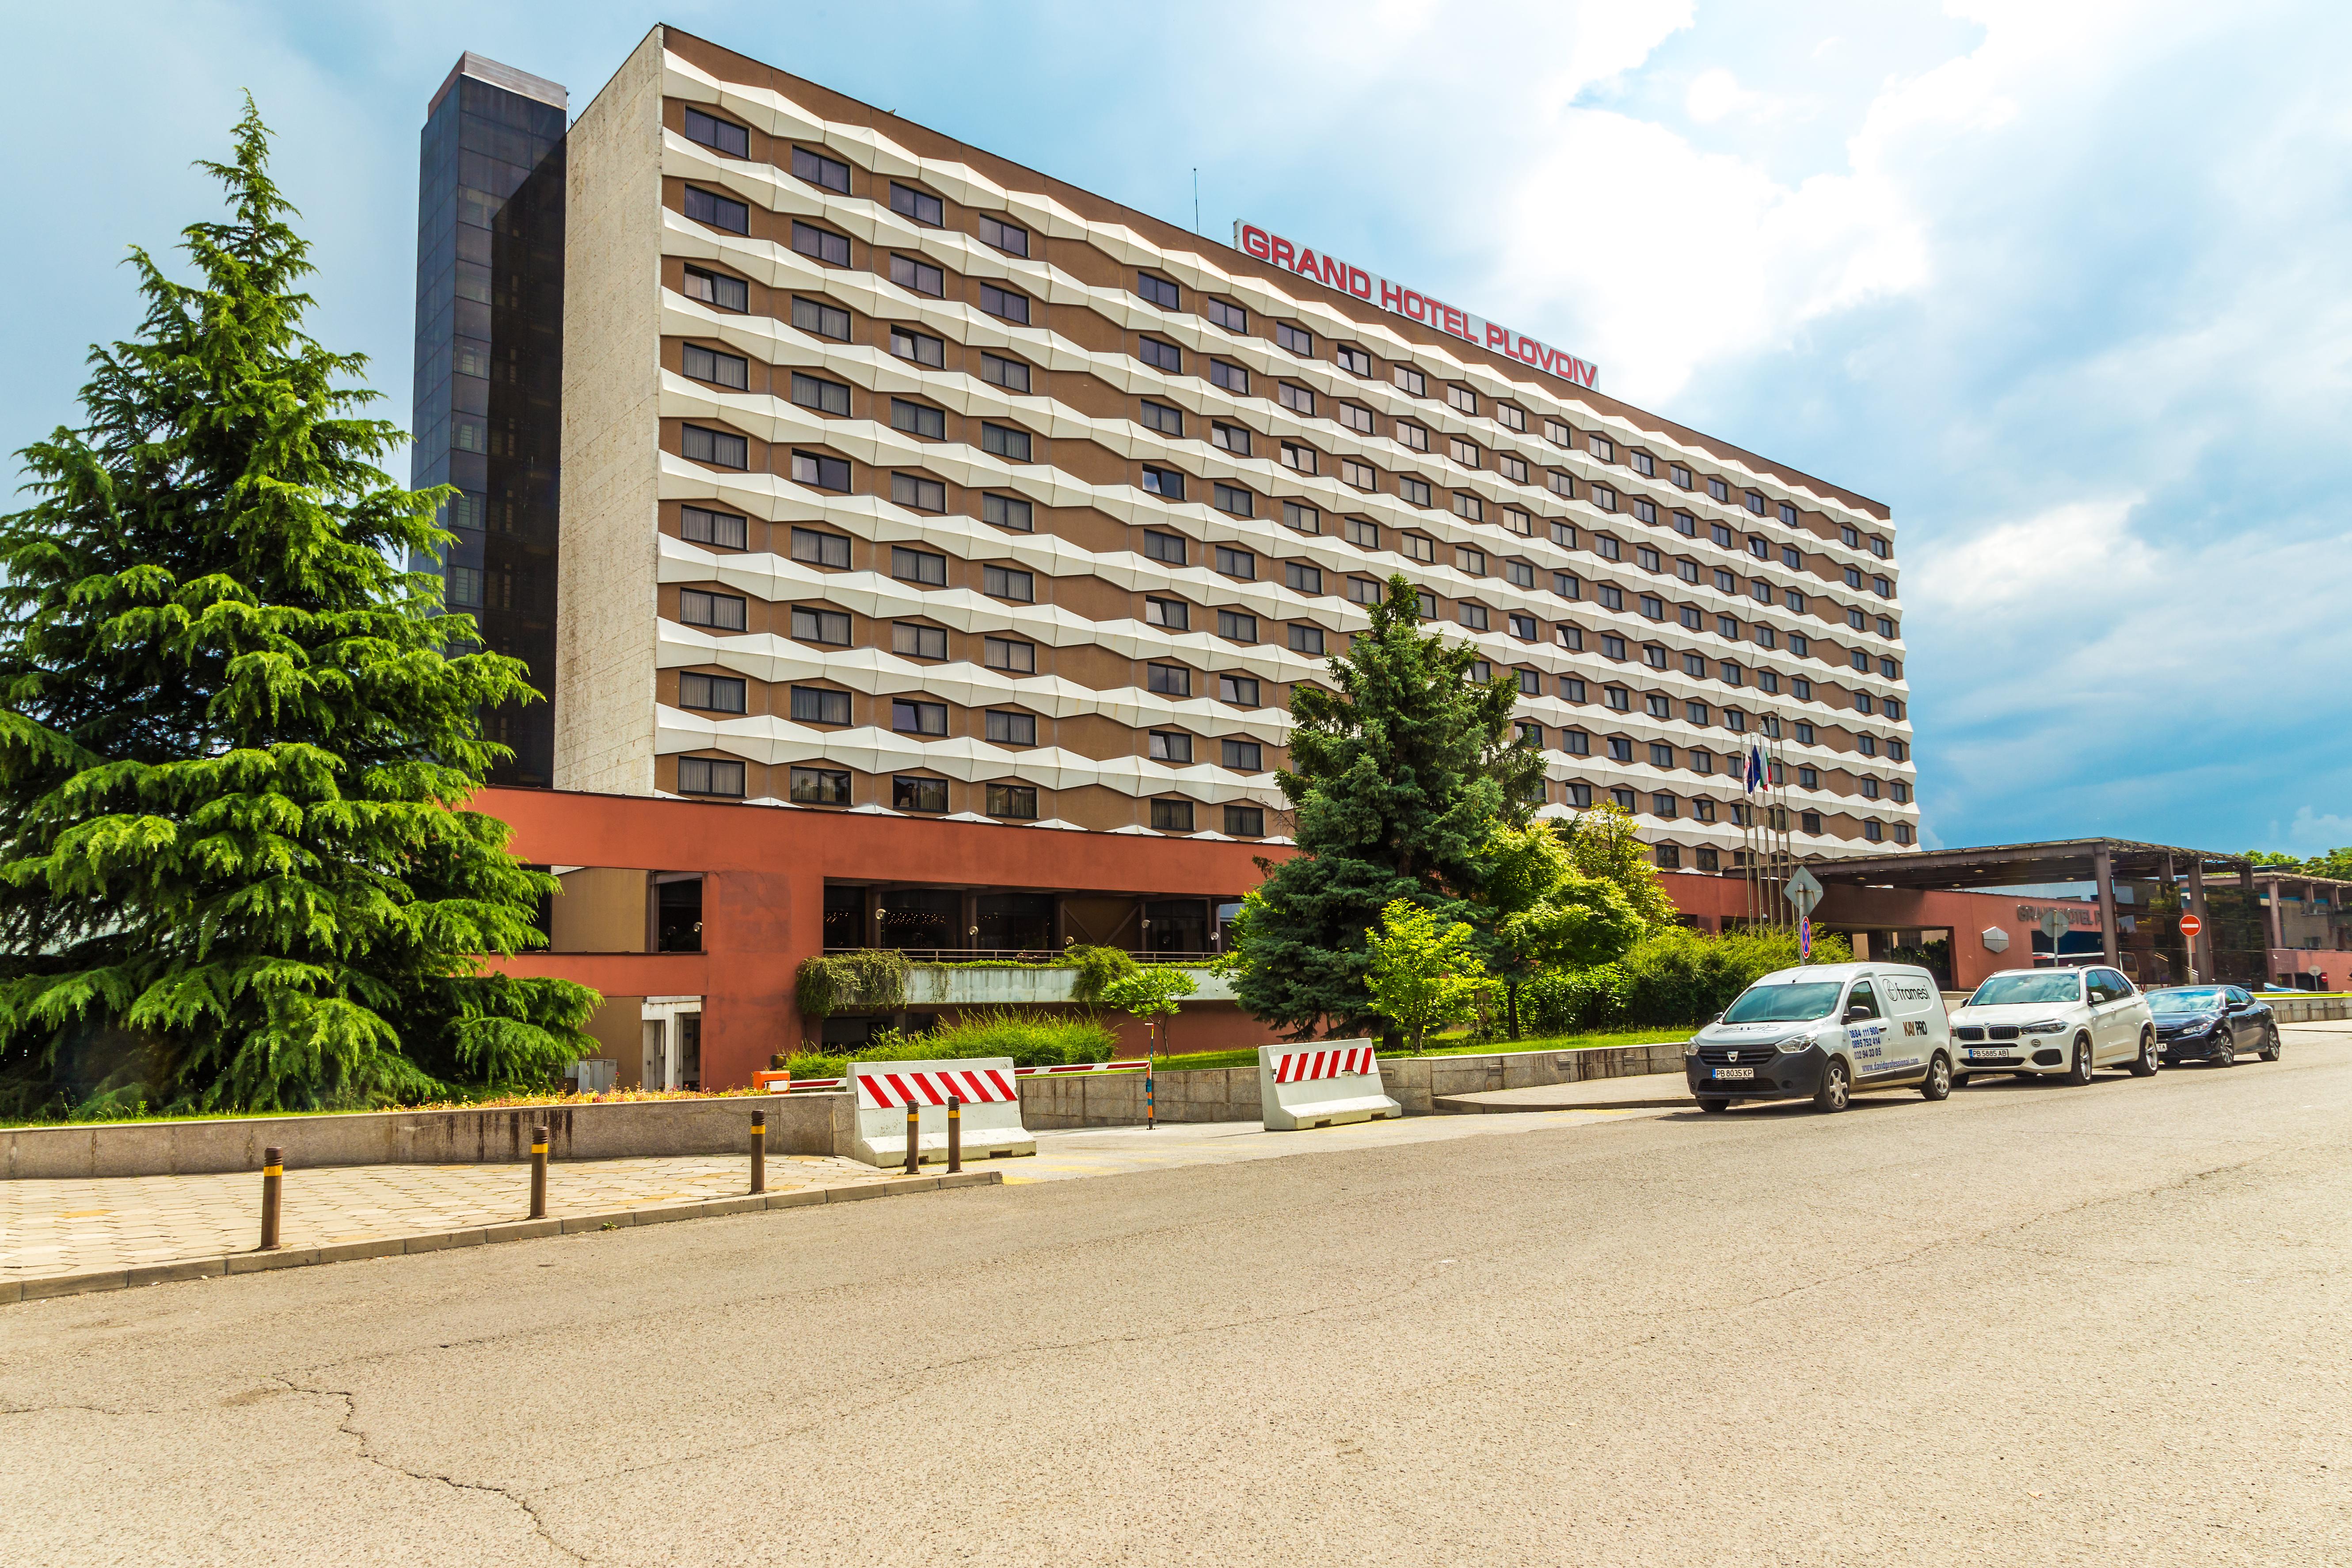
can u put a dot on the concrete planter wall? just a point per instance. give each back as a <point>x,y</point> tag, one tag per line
<point>799,1124</point>
<point>935,985</point>
<point>1413,1081</point>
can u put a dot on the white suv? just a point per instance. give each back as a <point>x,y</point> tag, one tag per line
<point>2037,1022</point>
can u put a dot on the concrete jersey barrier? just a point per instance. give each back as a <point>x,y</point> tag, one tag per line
<point>987,1087</point>
<point>1321,1086</point>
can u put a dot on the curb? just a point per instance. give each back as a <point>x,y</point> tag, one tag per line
<point>1464,1105</point>
<point>474,1236</point>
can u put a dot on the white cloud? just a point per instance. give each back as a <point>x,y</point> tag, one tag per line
<point>1713,94</point>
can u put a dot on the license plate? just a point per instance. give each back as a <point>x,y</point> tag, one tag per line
<point>1974,1054</point>
<point>1734,1072</point>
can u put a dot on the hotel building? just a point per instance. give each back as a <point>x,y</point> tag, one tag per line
<point>896,479</point>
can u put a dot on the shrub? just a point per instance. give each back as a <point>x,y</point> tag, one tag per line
<point>1686,976</point>
<point>1098,967</point>
<point>873,978</point>
<point>1570,1001</point>
<point>1031,1038</point>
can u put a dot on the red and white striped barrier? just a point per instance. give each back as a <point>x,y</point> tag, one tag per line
<point>1321,1086</point>
<point>778,1083</point>
<point>1305,1067</point>
<point>987,1086</point>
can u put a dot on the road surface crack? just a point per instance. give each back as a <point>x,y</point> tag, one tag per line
<point>348,1427</point>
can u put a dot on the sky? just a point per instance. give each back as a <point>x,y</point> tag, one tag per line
<point>2063,284</point>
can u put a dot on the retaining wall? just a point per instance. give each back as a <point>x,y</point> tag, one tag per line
<point>797,1124</point>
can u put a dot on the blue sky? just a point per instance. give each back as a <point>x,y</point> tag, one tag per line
<point>2064,285</point>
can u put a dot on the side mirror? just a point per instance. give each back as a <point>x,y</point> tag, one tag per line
<point>1856,1014</point>
<point>1716,1019</point>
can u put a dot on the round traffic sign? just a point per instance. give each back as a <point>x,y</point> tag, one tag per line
<point>2191,925</point>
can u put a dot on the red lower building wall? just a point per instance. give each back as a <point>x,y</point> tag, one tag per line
<point>764,871</point>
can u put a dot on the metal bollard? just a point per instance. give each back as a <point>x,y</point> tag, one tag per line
<point>758,1151</point>
<point>273,1181</point>
<point>955,1135</point>
<point>914,1140</point>
<point>538,1173</point>
<point>1149,1121</point>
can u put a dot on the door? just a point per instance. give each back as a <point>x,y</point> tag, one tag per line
<point>656,1074</point>
<point>2245,1027</point>
<point>1865,1032</point>
<point>2100,990</point>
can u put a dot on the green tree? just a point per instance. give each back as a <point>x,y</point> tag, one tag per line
<point>1151,992</point>
<point>1542,914</point>
<point>1397,778</point>
<point>236,869</point>
<point>1423,970</point>
<point>1602,844</point>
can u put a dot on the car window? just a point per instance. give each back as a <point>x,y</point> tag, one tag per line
<point>1861,999</point>
<point>2236,995</point>
<point>2040,985</point>
<point>2118,983</point>
<point>1783,1004</point>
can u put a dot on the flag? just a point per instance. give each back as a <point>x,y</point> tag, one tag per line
<point>1755,768</point>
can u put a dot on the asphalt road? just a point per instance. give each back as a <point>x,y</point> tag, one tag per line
<point>2034,1324</point>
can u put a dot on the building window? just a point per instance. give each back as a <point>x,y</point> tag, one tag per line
<point>1233,378</point>
<point>718,211</point>
<point>1531,682</point>
<point>1362,531</point>
<point>1160,355</point>
<point>1568,585</point>
<point>919,347</point>
<point>920,205</point>
<point>1601,448</point>
<point>1168,679</point>
<point>920,277</point>
<point>1005,582</point>
<point>1017,801</point>
<point>918,566</point>
<point>819,549</point>
<point>828,173</point>
<point>711,693</point>
<point>918,419</point>
<point>1166,547</point>
<point>1470,562</point>
<point>717,289</point>
<point>1661,804</point>
<point>1236,626</point>
<point>1162,418</point>
<point>1872,829</point>
<point>1297,340</point>
<point>720,611</point>
<point>1008,373</point>
<point>1244,756</point>
<point>1011,729</point>
<point>1576,742</point>
<point>719,448</point>
<point>820,786</point>
<point>1231,439</point>
<point>1306,640</point>
<point>1173,615</point>
<point>1226,314</point>
<point>1007,512</point>
<point>1005,442</point>
<point>1602,497</point>
<point>1788,514</point>
<point>709,775</point>
<point>1158,290</point>
<point>723,530</point>
<point>1621,701</point>
<point>1297,399</point>
<point>1170,746</point>
<point>1303,578</point>
<point>908,793</point>
<point>1362,476</point>
<point>1294,456</point>
<point>825,396</point>
<point>912,717</point>
<point>1240,689</point>
<point>917,493</point>
<point>1461,451</point>
<point>1523,627</point>
<point>1512,468</point>
<point>825,246</point>
<point>1236,562</point>
<point>815,705</point>
<point>1166,483</point>
<point>1756,503</point>
<point>1007,654</point>
<point>1172,816</point>
<point>829,626</point>
<point>1560,485</point>
<point>913,640</point>
<point>1004,303</point>
<point>1412,436</point>
<point>1414,493</point>
<point>1245,821</point>
<point>1658,706</point>
<point>1005,237</point>
<point>1303,518</point>
<point>1466,505</point>
<point>1232,498</point>
<point>823,321</point>
<point>1474,616</point>
<point>1624,799</point>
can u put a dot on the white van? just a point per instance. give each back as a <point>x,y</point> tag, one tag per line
<point>1825,1031</point>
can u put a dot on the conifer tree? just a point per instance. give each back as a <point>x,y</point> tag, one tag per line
<point>235,867</point>
<point>1397,780</point>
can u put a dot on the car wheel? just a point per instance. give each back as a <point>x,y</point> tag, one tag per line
<point>2144,1063</point>
<point>2224,1052</point>
<point>1714,1105</point>
<point>2079,1073</point>
<point>1938,1085</point>
<point>1836,1089</point>
<point>1959,1081</point>
<point>2271,1044</point>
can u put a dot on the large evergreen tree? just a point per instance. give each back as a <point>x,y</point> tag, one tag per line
<point>1397,779</point>
<point>236,869</point>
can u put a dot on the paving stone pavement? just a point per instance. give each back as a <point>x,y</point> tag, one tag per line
<point>52,1227</point>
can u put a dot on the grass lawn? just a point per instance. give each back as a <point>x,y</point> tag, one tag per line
<point>1452,1046</point>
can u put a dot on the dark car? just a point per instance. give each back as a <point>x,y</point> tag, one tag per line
<point>2212,1024</point>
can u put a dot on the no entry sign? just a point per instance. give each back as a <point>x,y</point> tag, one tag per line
<point>2191,925</point>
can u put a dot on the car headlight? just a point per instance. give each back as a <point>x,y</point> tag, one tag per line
<point>2042,1027</point>
<point>1798,1043</point>
<point>1690,1047</point>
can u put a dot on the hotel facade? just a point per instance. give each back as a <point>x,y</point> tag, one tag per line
<point>894,479</point>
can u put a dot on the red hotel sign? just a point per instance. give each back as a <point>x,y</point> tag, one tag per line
<point>1252,240</point>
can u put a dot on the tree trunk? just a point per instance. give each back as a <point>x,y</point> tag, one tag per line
<point>1511,1003</point>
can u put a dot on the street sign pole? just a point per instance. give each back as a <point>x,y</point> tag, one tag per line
<point>1803,889</point>
<point>2191,928</point>
<point>2053,926</point>
<point>1805,939</point>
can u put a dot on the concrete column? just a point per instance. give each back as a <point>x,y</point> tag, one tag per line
<point>2278,929</point>
<point>2103,865</point>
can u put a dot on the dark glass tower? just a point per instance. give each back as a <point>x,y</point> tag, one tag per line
<point>489,363</point>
